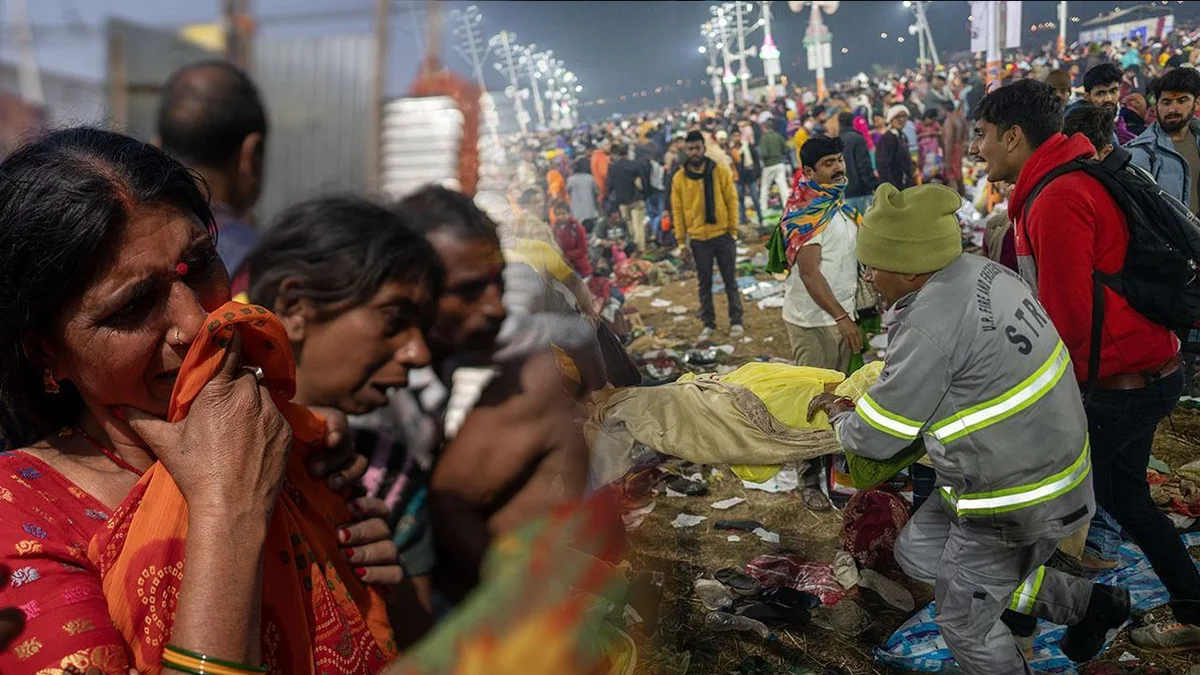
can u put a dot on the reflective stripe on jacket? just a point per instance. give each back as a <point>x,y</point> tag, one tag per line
<point>976,368</point>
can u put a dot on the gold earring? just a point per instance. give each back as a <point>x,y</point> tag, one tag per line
<point>49,383</point>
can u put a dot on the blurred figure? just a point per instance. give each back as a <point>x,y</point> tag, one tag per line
<point>212,120</point>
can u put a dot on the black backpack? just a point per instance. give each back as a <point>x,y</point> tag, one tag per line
<point>1159,277</point>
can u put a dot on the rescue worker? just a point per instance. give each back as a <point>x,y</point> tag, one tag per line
<point>975,367</point>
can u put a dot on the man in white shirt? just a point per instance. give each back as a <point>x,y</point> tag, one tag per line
<point>818,305</point>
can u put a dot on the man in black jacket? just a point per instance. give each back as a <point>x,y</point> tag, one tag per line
<point>860,175</point>
<point>629,183</point>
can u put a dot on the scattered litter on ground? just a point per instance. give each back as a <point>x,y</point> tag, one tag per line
<point>660,303</point>
<point>687,520</point>
<point>784,481</point>
<point>728,503</point>
<point>773,302</point>
<point>677,310</point>
<point>632,618</point>
<point>633,519</point>
<point>740,525</point>
<point>672,493</point>
<point>766,535</point>
<point>713,594</point>
<point>733,537</point>
<point>892,592</point>
<point>845,570</point>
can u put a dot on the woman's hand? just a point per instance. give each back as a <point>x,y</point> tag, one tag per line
<point>339,465</point>
<point>228,455</point>
<point>367,543</point>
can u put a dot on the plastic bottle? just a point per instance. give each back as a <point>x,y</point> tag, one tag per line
<point>723,622</point>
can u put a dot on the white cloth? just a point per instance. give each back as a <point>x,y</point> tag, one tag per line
<point>778,175</point>
<point>839,266</point>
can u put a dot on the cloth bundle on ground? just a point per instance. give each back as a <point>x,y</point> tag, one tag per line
<point>755,415</point>
<point>871,523</point>
<point>316,616</point>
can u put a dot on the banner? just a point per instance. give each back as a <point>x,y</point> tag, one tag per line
<point>980,25</point>
<point>1012,24</point>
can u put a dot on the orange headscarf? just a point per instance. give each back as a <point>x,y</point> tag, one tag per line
<point>317,617</point>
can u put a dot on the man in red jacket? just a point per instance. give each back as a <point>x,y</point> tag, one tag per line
<point>1072,228</point>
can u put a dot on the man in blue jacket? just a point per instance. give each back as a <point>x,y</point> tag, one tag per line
<point>1170,148</point>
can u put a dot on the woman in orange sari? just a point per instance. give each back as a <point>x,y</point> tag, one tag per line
<point>166,520</point>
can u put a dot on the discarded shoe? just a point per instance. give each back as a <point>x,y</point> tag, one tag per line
<point>814,499</point>
<point>790,597</point>
<point>691,488</point>
<point>740,525</point>
<point>1108,610</point>
<point>773,614</point>
<point>1167,637</point>
<point>738,581</point>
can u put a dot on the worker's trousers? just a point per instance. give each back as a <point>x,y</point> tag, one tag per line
<point>975,580</point>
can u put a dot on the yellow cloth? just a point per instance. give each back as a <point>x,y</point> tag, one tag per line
<point>687,206</point>
<point>542,257</point>
<point>781,387</point>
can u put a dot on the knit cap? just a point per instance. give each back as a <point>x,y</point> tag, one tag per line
<point>895,111</point>
<point>911,232</point>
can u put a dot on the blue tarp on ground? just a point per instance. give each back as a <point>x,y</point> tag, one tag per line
<point>917,645</point>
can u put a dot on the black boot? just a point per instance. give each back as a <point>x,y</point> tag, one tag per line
<point>1107,610</point>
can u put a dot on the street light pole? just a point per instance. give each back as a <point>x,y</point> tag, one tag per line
<point>1062,29</point>
<point>769,52</point>
<point>468,43</point>
<point>506,48</point>
<point>535,91</point>
<point>743,69</point>
<point>923,21</point>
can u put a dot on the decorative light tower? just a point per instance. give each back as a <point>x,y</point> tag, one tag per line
<point>769,53</point>
<point>507,50</point>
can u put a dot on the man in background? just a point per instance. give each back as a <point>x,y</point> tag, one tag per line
<point>212,120</point>
<point>860,174</point>
<point>771,149</point>
<point>705,216</point>
<point>1169,149</point>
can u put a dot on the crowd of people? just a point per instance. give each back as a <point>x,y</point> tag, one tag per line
<point>334,419</point>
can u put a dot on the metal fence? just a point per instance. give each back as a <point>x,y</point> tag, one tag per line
<point>318,93</point>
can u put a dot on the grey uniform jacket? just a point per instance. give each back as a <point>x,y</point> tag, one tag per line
<point>976,368</point>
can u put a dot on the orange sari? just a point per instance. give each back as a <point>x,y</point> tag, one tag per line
<point>317,617</point>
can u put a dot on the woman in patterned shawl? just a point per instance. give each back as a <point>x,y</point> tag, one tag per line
<point>166,434</point>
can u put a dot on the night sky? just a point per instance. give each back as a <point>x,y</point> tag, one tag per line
<point>618,47</point>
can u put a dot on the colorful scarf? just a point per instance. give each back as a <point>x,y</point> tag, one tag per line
<point>316,616</point>
<point>710,199</point>
<point>809,209</point>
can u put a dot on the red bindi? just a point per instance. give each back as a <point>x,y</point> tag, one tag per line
<point>181,269</point>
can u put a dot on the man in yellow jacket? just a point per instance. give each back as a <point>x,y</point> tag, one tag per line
<point>705,213</point>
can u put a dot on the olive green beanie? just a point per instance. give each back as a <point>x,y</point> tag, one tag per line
<point>911,232</point>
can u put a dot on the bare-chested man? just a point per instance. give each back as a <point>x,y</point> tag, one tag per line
<point>514,450</point>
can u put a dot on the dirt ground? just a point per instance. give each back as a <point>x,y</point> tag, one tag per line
<point>683,554</point>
